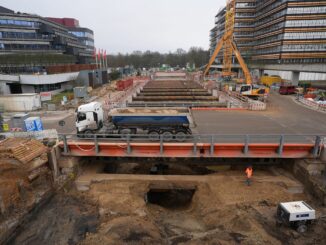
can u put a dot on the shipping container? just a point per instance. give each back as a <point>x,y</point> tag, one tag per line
<point>33,124</point>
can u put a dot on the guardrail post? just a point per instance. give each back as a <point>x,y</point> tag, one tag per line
<point>96,145</point>
<point>161,145</point>
<point>316,147</point>
<point>128,144</point>
<point>195,145</point>
<point>65,145</point>
<point>281,146</point>
<point>212,146</point>
<point>246,146</point>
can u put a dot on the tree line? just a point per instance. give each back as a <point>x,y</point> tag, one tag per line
<point>179,58</point>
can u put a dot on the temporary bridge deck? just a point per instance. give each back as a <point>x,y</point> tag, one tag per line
<point>196,146</point>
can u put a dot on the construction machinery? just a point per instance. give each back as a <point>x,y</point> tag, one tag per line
<point>230,47</point>
<point>295,214</point>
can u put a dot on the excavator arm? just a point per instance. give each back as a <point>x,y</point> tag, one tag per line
<point>242,63</point>
<point>212,59</point>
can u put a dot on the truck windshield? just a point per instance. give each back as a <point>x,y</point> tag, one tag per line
<point>81,116</point>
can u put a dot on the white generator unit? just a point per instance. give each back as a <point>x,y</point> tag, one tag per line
<point>296,214</point>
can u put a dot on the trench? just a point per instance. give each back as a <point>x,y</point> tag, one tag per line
<point>180,166</point>
<point>170,198</point>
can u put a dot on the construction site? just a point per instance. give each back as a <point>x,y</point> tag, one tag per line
<point>210,156</point>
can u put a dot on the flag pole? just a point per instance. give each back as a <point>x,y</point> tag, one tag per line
<point>95,54</point>
<point>106,59</point>
<point>102,58</point>
<point>99,57</point>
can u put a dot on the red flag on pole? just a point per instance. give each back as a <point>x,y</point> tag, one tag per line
<point>94,53</point>
<point>99,54</point>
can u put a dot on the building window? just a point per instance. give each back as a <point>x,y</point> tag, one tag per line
<point>47,87</point>
<point>18,23</point>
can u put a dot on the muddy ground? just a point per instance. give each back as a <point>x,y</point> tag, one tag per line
<point>216,208</point>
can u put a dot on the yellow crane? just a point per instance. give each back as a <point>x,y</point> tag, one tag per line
<point>229,46</point>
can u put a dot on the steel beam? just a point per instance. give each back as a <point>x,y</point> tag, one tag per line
<point>188,150</point>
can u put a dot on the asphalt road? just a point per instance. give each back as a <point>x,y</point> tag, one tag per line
<point>283,116</point>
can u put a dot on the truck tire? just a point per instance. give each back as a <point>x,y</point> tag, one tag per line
<point>124,133</point>
<point>180,136</point>
<point>167,136</point>
<point>153,136</point>
<point>88,134</point>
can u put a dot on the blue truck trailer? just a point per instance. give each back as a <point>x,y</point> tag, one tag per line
<point>170,123</point>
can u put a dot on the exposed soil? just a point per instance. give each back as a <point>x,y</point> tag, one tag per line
<point>220,210</point>
<point>66,219</point>
<point>223,210</point>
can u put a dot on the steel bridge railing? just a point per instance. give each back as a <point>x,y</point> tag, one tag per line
<point>281,140</point>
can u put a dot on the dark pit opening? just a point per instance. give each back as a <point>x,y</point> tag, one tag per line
<point>170,198</point>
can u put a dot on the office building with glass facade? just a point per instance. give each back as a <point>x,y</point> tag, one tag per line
<point>29,42</point>
<point>277,32</point>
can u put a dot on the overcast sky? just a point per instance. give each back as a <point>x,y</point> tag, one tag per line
<point>128,25</point>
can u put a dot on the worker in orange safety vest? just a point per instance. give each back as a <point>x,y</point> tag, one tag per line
<point>249,175</point>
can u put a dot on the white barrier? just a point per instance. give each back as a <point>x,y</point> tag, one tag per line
<point>313,104</point>
<point>257,106</point>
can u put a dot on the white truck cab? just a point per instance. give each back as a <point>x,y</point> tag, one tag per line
<point>296,214</point>
<point>89,117</point>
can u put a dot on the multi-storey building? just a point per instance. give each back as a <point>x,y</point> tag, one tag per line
<point>276,32</point>
<point>29,42</point>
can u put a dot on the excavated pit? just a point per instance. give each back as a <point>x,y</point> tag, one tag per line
<point>170,198</point>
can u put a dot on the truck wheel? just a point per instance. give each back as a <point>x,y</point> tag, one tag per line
<point>80,135</point>
<point>153,136</point>
<point>124,133</point>
<point>167,136</point>
<point>88,134</point>
<point>180,136</point>
<point>302,228</point>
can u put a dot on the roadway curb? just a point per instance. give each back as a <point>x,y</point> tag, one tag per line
<point>218,109</point>
<point>308,107</point>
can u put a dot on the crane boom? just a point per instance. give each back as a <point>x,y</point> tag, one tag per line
<point>242,63</point>
<point>229,46</point>
<point>212,59</point>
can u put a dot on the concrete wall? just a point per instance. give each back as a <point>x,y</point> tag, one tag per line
<point>4,88</point>
<point>48,79</point>
<point>9,78</point>
<point>83,79</point>
<point>21,102</point>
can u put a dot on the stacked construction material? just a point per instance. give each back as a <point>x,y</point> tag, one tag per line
<point>22,161</point>
<point>175,93</point>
